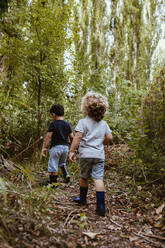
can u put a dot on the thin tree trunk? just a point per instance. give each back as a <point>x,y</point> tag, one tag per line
<point>135,49</point>
<point>39,110</point>
<point>116,42</point>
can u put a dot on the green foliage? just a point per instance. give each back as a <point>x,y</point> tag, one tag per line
<point>3,6</point>
<point>123,109</point>
<point>56,51</point>
<point>33,69</point>
<point>148,137</point>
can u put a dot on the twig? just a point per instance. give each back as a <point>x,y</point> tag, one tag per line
<point>7,164</point>
<point>116,223</point>
<point>72,219</point>
<point>118,196</point>
<point>64,207</point>
<point>149,240</point>
<point>153,236</point>
<point>156,179</point>
<point>144,175</point>
<point>75,210</point>
<point>27,148</point>
<point>143,236</point>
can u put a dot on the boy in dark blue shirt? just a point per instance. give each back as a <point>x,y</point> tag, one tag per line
<point>57,136</point>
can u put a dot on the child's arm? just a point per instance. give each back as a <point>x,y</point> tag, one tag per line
<point>107,139</point>
<point>71,137</point>
<point>46,142</point>
<point>75,143</point>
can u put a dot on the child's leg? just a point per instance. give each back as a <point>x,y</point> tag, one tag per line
<point>62,163</point>
<point>85,170</point>
<point>83,182</point>
<point>99,184</point>
<point>65,173</point>
<point>53,164</point>
<point>83,190</point>
<point>64,170</point>
<point>53,177</point>
<point>100,197</point>
<point>97,174</point>
<point>82,199</point>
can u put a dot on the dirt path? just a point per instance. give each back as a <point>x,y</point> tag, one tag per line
<point>128,221</point>
<point>133,219</point>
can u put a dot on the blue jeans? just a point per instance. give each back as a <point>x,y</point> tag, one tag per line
<point>58,156</point>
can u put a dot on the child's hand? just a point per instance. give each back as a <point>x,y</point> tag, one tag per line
<point>71,156</point>
<point>43,152</point>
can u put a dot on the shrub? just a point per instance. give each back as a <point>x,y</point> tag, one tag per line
<point>149,139</point>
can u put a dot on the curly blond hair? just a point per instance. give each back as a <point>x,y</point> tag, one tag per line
<point>94,105</point>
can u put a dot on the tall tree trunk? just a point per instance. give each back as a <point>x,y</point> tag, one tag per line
<point>116,40</point>
<point>136,20</point>
<point>38,106</point>
<point>135,57</point>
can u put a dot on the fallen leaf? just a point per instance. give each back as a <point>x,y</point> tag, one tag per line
<point>160,209</point>
<point>158,217</point>
<point>149,194</point>
<point>159,225</point>
<point>139,188</point>
<point>111,227</point>
<point>20,228</point>
<point>91,235</point>
<point>133,238</point>
<point>149,219</point>
<point>148,231</point>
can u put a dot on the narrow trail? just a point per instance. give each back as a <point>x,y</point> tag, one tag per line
<point>125,223</point>
<point>132,218</point>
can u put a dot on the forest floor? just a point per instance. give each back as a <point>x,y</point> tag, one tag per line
<point>34,215</point>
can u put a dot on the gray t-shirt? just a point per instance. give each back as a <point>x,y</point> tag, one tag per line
<point>91,145</point>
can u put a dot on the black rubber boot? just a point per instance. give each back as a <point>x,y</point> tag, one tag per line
<point>53,179</point>
<point>83,195</point>
<point>100,203</point>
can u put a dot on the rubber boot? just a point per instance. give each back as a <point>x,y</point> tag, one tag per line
<point>100,203</point>
<point>65,174</point>
<point>83,195</point>
<point>53,179</point>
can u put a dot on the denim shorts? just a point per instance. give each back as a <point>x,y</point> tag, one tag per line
<point>58,156</point>
<point>93,167</point>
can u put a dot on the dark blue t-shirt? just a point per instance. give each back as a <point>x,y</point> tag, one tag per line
<point>61,130</point>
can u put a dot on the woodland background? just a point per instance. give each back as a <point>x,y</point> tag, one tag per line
<point>54,51</point>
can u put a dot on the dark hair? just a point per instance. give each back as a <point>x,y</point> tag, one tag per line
<point>57,109</point>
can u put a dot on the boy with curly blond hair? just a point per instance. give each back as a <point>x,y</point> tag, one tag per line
<point>92,133</point>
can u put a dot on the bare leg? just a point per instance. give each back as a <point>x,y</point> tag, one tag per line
<point>83,182</point>
<point>53,173</point>
<point>99,184</point>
